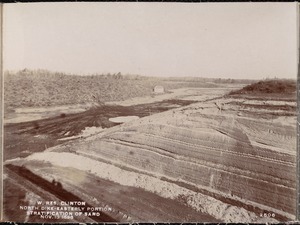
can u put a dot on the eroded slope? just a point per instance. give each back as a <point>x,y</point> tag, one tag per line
<point>232,161</point>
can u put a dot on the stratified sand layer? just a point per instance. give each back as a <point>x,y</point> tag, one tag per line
<point>210,146</point>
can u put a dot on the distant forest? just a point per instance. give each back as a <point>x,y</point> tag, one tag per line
<point>28,88</point>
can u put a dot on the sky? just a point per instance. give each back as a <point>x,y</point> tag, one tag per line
<point>223,40</point>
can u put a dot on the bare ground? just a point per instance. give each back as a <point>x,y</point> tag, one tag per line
<point>220,158</point>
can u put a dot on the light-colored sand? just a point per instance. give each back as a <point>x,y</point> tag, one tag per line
<point>286,120</point>
<point>21,117</point>
<point>181,93</point>
<point>64,108</point>
<point>35,113</point>
<point>165,189</point>
<point>123,119</point>
<point>88,131</point>
<point>177,118</point>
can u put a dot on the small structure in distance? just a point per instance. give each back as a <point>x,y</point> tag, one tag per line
<point>158,89</point>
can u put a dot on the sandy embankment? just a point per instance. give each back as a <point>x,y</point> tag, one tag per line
<point>191,137</point>
<point>211,145</point>
<point>198,201</point>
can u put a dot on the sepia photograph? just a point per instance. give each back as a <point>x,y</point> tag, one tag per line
<point>149,112</point>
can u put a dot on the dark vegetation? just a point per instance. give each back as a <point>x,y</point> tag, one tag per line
<point>276,86</point>
<point>28,88</point>
<point>275,90</point>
